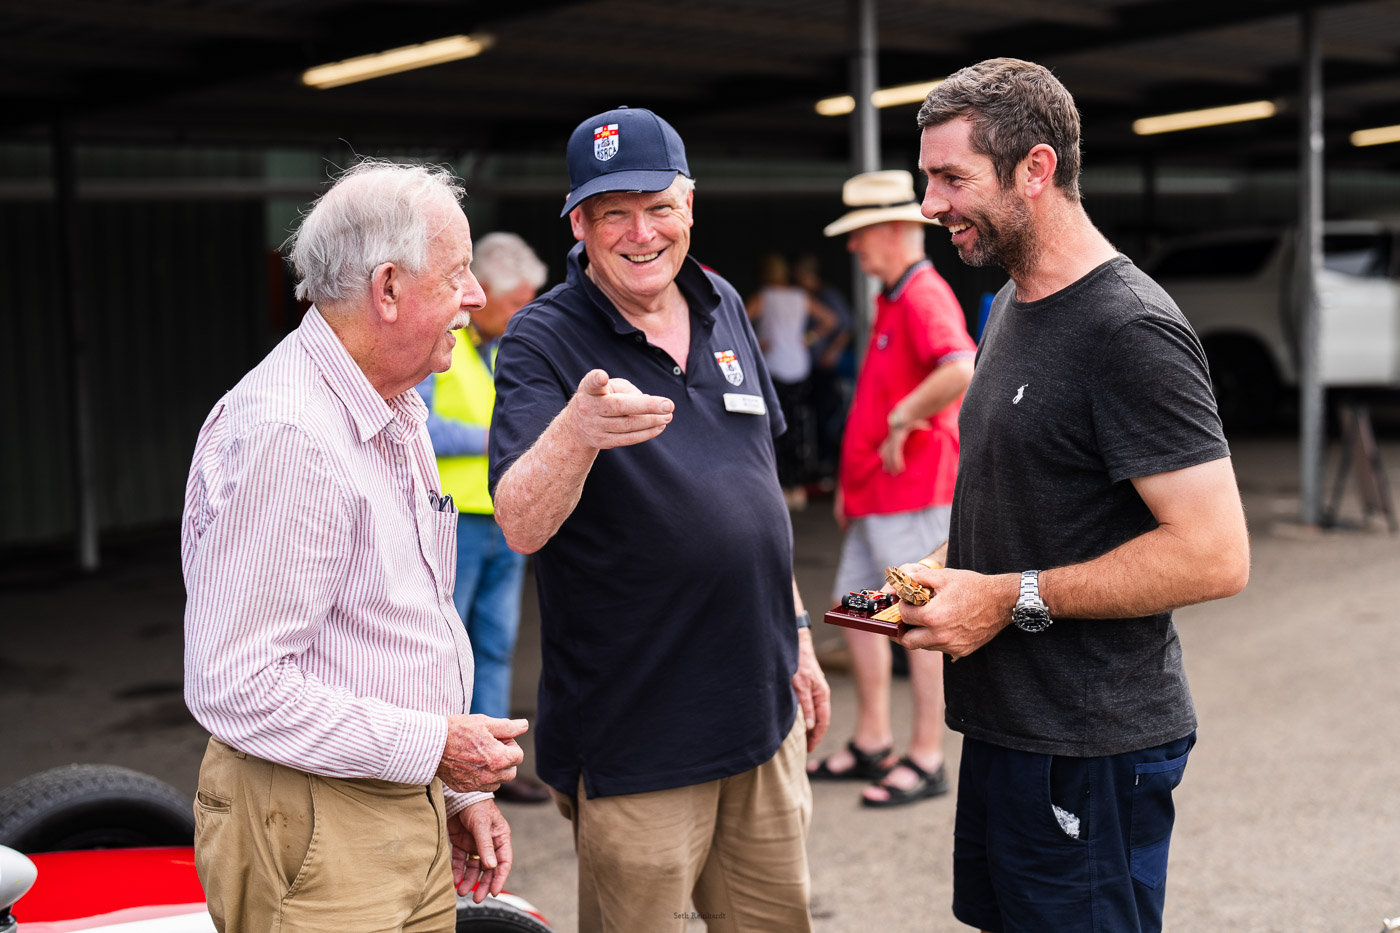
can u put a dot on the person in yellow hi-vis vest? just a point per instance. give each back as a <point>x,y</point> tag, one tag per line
<point>489,574</point>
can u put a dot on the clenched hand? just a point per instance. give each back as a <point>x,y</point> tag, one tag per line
<point>481,753</point>
<point>967,610</point>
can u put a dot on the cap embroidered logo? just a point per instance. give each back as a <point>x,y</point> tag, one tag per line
<point>605,141</point>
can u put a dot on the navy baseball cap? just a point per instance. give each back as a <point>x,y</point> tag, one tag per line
<point>623,150</point>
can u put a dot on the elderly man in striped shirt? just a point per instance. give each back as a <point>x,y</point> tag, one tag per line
<point>343,779</point>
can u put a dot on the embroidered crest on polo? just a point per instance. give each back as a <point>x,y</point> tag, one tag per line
<point>1020,394</point>
<point>605,142</point>
<point>729,365</point>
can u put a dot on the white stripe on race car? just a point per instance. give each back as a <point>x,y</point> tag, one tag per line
<point>192,918</point>
<point>515,900</point>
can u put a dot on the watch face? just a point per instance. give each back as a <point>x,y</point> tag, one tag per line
<point>1029,619</point>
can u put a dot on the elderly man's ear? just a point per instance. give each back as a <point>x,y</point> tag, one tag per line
<point>385,290</point>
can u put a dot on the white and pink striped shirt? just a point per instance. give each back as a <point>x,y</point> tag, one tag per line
<point>319,626</point>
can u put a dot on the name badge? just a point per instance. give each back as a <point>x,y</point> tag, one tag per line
<point>745,404</point>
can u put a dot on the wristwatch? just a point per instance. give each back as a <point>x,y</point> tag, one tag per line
<point>1030,613</point>
<point>895,420</point>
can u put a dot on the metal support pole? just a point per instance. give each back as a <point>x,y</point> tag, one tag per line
<point>79,343</point>
<point>1308,264</point>
<point>865,150</point>
<point>865,147</point>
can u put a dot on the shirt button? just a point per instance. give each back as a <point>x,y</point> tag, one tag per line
<point>398,458</point>
<point>676,370</point>
<point>639,338</point>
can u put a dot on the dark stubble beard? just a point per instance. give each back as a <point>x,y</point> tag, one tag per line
<point>1005,238</point>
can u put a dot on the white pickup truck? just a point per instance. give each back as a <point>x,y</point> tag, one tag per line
<point>1236,288</point>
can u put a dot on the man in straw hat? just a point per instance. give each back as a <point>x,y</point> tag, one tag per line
<point>632,453</point>
<point>1095,495</point>
<point>899,459</point>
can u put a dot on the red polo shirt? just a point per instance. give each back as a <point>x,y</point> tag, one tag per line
<point>918,327</point>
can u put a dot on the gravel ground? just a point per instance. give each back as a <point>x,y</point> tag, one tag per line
<point>1288,818</point>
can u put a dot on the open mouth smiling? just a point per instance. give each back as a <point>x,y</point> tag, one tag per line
<point>959,232</point>
<point>638,259</point>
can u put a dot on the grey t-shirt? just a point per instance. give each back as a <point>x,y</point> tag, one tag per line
<point>1073,396</point>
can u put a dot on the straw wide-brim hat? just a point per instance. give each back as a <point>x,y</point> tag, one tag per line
<point>878,197</point>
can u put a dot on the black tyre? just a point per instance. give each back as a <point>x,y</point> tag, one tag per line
<point>93,807</point>
<point>496,916</point>
<point>1246,385</point>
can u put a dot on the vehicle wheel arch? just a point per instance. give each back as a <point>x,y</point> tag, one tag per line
<point>1245,377</point>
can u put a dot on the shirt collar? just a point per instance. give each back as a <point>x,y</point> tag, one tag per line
<point>700,293</point>
<point>897,288</point>
<point>403,414</point>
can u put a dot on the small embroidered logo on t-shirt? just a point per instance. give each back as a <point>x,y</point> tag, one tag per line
<point>729,365</point>
<point>1020,393</point>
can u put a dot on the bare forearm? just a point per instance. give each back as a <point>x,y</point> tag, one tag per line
<point>937,391</point>
<point>541,489</point>
<point>1154,572</point>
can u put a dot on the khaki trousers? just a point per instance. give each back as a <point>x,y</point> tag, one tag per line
<point>736,847</point>
<point>279,849</point>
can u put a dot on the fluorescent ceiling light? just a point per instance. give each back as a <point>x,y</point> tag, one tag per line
<point>835,106</point>
<point>1377,136</point>
<point>395,60</point>
<point>884,97</point>
<point>1213,116</point>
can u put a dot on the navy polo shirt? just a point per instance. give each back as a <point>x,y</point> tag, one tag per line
<point>666,604</point>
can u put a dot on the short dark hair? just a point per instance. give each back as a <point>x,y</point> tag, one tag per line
<point>1013,106</point>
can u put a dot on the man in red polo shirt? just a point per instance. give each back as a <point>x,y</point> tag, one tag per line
<point>899,461</point>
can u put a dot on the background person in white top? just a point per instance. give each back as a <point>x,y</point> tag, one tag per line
<point>781,312</point>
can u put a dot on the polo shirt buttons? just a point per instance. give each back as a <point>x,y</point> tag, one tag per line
<point>676,370</point>
<point>639,338</point>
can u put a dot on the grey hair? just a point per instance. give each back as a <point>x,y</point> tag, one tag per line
<point>502,261</point>
<point>376,212</point>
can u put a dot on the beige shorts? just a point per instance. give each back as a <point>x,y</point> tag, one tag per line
<point>280,849</point>
<point>731,852</point>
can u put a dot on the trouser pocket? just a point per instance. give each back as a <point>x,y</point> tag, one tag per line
<point>1070,800</point>
<point>1154,813</point>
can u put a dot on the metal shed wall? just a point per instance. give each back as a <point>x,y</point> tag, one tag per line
<point>178,294</point>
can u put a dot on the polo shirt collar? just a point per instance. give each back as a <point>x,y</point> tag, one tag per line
<point>402,415</point>
<point>700,293</point>
<point>897,289</point>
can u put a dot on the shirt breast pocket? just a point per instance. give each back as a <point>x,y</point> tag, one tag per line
<point>437,538</point>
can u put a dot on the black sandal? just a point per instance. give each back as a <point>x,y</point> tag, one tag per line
<point>928,785</point>
<point>869,766</point>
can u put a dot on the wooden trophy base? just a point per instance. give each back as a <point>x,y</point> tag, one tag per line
<point>865,621</point>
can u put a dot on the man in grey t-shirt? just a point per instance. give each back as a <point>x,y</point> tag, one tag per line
<point>1095,495</point>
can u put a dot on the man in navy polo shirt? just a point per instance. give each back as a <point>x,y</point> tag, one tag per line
<point>631,451</point>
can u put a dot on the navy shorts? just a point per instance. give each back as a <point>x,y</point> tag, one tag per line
<point>1048,842</point>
